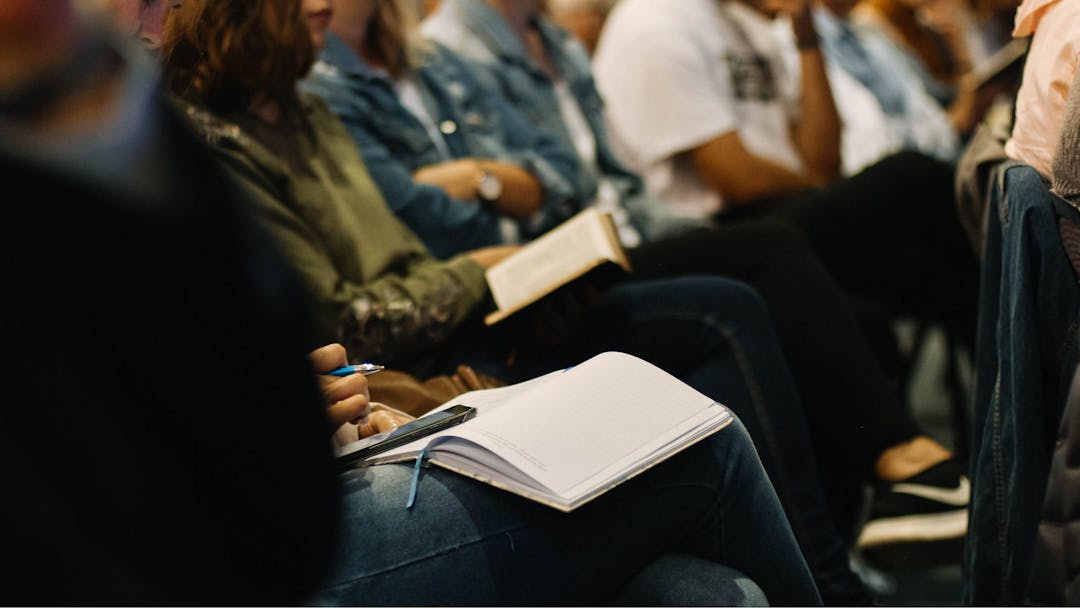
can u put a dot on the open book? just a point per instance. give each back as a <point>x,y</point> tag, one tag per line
<point>567,437</point>
<point>584,243</point>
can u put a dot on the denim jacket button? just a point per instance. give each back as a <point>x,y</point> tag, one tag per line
<point>448,127</point>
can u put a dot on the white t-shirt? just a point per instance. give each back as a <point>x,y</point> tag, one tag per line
<point>676,74</point>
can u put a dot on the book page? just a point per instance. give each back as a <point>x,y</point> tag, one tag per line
<point>593,418</point>
<point>546,263</point>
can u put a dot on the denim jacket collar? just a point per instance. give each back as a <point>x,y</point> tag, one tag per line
<point>337,55</point>
<point>558,42</point>
<point>339,63</point>
<point>488,25</point>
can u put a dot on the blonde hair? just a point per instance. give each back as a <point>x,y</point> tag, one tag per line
<point>392,36</point>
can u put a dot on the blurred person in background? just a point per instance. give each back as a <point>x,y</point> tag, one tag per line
<point>936,34</point>
<point>1054,27</point>
<point>163,437</point>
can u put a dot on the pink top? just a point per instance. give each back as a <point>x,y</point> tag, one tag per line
<point>1048,74</point>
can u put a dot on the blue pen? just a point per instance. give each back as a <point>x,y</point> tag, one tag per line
<point>364,368</point>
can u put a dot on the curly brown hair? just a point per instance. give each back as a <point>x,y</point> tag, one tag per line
<point>228,54</point>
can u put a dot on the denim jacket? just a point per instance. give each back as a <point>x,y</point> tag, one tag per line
<point>1026,355</point>
<point>394,144</point>
<point>477,32</point>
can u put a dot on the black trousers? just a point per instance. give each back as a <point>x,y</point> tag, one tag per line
<point>853,410</point>
<point>887,238</point>
<point>889,234</point>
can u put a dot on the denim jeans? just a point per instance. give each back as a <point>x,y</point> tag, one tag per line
<point>714,334</point>
<point>467,543</point>
<point>1025,356</point>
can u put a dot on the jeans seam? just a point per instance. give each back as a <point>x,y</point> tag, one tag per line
<point>999,482</point>
<point>758,398</point>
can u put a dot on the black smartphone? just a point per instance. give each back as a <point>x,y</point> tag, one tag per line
<point>411,431</point>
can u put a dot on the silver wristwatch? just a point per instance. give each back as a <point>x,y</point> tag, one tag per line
<point>489,187</point>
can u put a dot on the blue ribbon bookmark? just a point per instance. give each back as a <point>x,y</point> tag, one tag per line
<point>416,478</point>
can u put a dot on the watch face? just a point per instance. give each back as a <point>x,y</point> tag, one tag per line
<point>490,187</point>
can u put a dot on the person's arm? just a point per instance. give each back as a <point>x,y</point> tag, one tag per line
<point>971,102</point>
<point>689,112</point>
<point>518,144</point>
<point>347,399</point>
<point>544,156</point>
<point>521,194</point>
<point>392,317</point>
<point>816,133</point>
<point>448,225</point>
<point>727,166</point>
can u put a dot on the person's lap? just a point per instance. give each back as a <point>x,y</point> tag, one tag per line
<point>464,542</point>
<point>716,335</point>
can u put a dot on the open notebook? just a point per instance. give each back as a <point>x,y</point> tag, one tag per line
<point>567,437</point>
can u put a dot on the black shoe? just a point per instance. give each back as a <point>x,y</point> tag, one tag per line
<point>920,521</point>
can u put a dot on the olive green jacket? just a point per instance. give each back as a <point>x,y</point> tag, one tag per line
<point>376,287</point>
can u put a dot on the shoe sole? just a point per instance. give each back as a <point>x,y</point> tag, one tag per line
<point>914,528</point>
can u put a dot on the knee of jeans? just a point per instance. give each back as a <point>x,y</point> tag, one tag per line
<point>676,579</point>
<point>735,304</point>
<point>733,445</point>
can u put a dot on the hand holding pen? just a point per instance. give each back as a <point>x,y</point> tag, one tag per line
<point>345,393</point>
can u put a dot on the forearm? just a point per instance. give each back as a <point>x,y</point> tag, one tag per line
<point>770,179</point>
<point>961,114</point>
<point>741,176</point>
<point>390,317</point>
<point>521,195</point>
<point>397,318</point>
<point>817,132</point>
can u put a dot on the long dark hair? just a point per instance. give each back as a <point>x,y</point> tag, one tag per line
<point>227,54</point>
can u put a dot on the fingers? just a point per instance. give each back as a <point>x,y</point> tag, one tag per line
<point>342,388</point>
<point>347,398</point>
<point>378,422</point>
<point>350,409</point>
<point>327,358</point>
